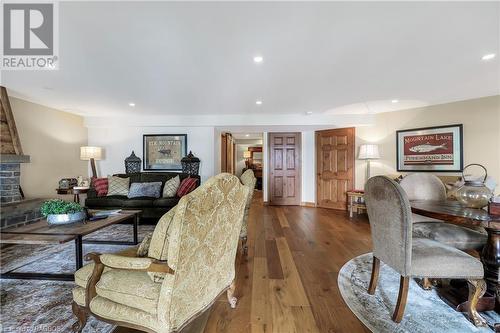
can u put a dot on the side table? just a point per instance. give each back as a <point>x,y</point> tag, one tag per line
<point>75,191</point>
<point>356,201</point>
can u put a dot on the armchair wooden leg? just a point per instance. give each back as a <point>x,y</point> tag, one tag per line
<point>374,278</point>
<point>403,295</point>
<point>81,314</point>
<point>477,288</point>
<point>230,295</point>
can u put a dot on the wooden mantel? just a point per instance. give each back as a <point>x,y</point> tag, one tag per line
<point>9,138</point>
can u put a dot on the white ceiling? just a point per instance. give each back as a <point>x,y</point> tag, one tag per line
<point>197,58</point>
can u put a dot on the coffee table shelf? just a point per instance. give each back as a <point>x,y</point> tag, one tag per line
<point>42,233</point>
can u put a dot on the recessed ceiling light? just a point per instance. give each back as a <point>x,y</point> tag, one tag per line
<point>488,56</point>
<point>247,135</point>
<point>258,59</point>
<point>131,104</point>
<point>394,101</point>
<point>309,113</point>
<point>258,102</point>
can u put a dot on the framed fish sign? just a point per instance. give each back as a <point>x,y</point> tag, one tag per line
<point>164,151</point>
<point>435,149</point>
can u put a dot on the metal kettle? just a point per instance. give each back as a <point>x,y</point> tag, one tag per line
<point>474,193</point>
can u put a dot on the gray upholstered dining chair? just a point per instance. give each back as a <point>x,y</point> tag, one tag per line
<point>426,186</point>
<point>389,213</point>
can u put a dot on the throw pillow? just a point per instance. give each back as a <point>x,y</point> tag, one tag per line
<point>171,186</point>
<point>101,186</point>
<point>187,185</point>
<point>118,185</point>
<point>152,190</point>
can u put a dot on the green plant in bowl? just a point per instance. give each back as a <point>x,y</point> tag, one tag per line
<point>58,211</point>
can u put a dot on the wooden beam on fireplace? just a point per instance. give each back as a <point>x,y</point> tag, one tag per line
<point>8,123</point>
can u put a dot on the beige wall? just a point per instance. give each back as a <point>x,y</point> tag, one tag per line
<point>52,138</point>
<point>481,120</point>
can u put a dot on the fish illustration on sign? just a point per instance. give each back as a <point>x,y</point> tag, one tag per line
<point>426,148</point>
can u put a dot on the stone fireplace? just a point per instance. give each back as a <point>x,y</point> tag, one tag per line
<point>14,210</point>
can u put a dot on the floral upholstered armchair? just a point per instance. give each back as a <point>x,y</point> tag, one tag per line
<point>189,263</point>
<point>249,180</point>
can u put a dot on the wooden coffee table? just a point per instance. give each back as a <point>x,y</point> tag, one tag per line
<point>42,233</point>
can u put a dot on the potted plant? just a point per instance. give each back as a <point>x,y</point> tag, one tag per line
<point>58,211</point>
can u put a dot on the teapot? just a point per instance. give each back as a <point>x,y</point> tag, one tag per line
<point>474,193</point>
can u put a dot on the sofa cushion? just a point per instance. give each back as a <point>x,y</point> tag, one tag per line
<point>165,202</point>
<point>151,190</point>
<point>187,185</point>
<point>130,288</point>
<point>138,202</point>
<point>111,201</point>
<point>170,187</point>
<point>118,185</point>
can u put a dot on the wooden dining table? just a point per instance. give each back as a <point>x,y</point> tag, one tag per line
<point>452,211</point>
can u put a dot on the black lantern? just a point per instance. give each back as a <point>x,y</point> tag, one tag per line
<point>190,164</point>
<point>132,164</point>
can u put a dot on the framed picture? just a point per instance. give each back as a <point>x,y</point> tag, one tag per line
<point>164,151</point>
<point>436,149</point>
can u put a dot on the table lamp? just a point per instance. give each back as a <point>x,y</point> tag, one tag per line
<point>247,155</point>
<point>92,154</point>
<point>368,152</point>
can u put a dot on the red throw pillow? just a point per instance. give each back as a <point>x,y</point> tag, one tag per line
<point>101,186</point>
<point>187,185</point>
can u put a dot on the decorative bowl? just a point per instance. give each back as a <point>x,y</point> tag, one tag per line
<point>66,218</point>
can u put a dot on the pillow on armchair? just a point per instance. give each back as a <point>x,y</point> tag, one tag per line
<point>187,185</point>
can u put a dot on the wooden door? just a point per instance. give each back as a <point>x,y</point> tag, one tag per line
<point>335,167</point>
<point>284,168</point>
<point>227,153</point>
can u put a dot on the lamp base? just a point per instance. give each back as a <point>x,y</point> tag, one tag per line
<point>92,165</point>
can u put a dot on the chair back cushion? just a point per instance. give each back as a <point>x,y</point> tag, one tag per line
<point>389,213</point>
<point>423,186</point>
<point>203,239</point>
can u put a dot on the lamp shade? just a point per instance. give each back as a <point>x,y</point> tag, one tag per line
<point>88,152</point>
<point>247,154</point>
<point>368,152</point>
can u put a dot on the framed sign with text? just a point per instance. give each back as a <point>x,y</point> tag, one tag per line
<point>430,149</point>
<point>164,151</point>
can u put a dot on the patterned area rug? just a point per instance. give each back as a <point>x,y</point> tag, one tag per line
<point>425,311</point>
<point>45,306</point>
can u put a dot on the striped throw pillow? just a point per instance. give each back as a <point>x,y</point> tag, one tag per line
<point>187,185</point>
<point>101,186</point>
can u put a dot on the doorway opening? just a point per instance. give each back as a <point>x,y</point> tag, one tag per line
<point>242,151</point>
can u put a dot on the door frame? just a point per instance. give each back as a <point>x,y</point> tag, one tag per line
<point>270,165</point>
<point>318,163</point>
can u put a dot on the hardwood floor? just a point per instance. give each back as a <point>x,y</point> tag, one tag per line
<point>289,281</point>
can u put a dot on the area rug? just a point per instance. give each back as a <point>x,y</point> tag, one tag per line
<point>45,306</point>
<point>425,311</point>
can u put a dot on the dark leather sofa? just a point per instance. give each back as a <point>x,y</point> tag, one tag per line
<point>151,208</point>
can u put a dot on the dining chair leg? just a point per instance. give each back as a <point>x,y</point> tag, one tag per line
<point>401,303</point>
<point>374,278</point>
<point>477,288</point>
